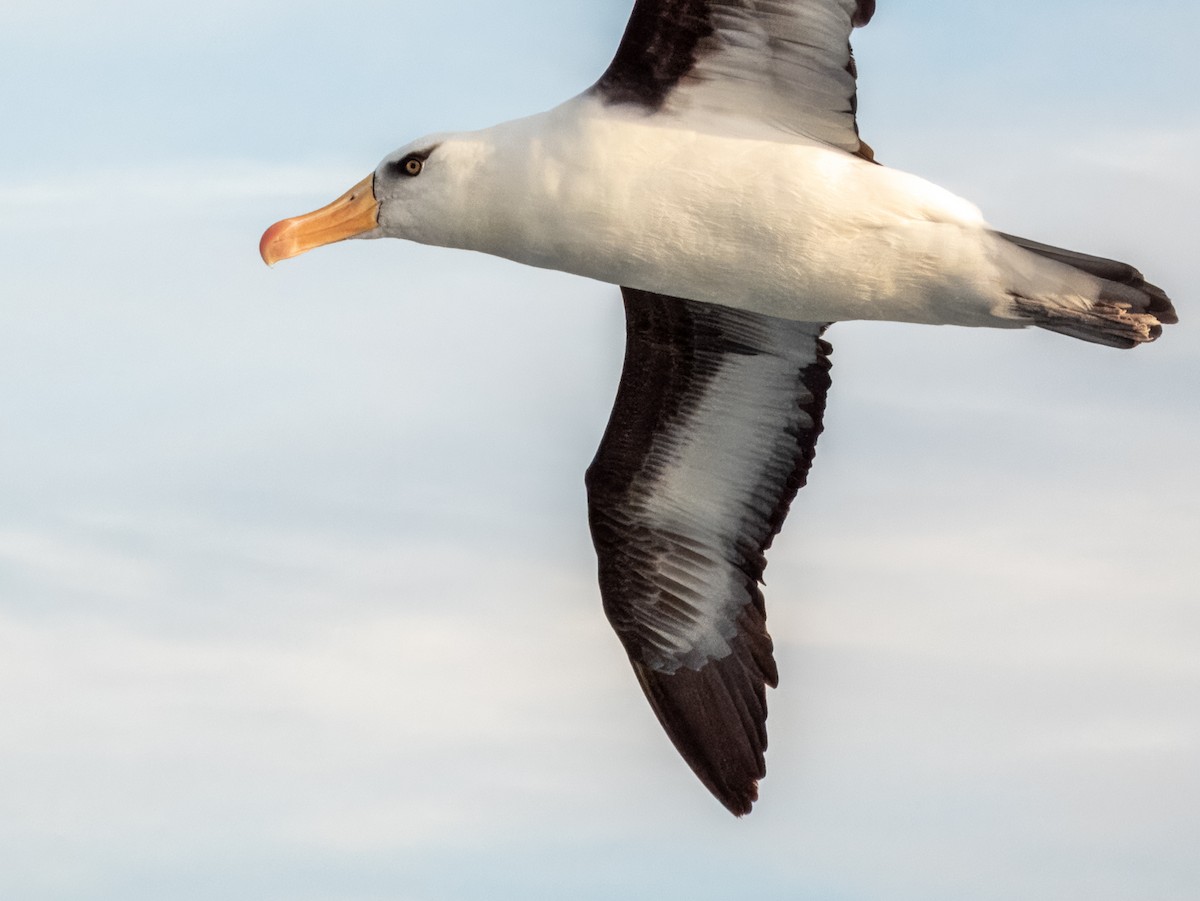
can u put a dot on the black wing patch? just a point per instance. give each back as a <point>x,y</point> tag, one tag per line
<point>658,49</point>
<point>784,64</point>
<point>712,434</point>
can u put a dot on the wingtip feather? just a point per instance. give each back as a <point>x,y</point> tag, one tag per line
<point>716,719</point>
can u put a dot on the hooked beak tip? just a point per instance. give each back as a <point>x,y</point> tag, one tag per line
<point>271,245</point>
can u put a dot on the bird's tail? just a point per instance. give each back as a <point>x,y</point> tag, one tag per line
<point>1118,307</point>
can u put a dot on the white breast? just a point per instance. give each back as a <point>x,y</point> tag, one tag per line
<point>792,229</point>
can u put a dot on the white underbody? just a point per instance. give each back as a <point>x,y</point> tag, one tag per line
<point>786,228</point>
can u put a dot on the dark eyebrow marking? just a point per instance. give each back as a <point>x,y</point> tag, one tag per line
<point>396,167</point>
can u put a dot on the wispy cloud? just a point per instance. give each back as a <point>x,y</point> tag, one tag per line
<point>189,185</point>
<point>296,592</point>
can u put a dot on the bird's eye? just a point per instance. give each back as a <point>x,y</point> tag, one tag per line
<point>412,166</point>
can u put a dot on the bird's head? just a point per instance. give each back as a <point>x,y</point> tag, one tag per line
<point>407,195</point>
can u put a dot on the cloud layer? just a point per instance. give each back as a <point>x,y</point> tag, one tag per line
<point>296,593</point>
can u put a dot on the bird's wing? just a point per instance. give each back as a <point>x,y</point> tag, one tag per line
<point>783,65</point>
<point>712,434</point>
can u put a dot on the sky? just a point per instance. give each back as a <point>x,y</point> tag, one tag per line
<point>297,598</point>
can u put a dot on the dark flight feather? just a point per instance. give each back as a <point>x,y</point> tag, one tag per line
<point>712,434</point>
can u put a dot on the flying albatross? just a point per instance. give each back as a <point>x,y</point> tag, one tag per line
<point>715,173</point>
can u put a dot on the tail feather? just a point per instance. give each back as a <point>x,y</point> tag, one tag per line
<point>1126,311</point>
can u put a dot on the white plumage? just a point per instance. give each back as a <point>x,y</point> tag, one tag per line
<point>778,228</point>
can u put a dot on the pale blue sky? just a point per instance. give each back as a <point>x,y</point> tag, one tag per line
<point>297,599</point>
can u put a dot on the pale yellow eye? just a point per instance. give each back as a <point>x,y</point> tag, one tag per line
<point>412,167</point>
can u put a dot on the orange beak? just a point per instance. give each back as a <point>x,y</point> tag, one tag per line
<point>352,214</point>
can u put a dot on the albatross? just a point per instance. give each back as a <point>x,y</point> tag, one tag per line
<point>716,174</point>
